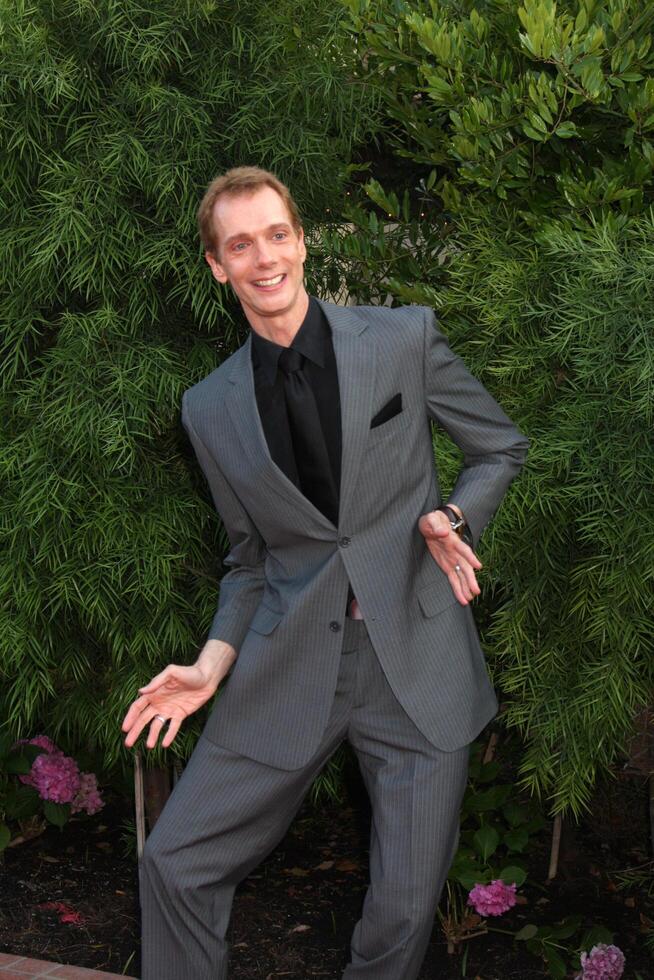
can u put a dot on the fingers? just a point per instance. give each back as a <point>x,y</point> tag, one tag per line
<point>157,722</point>
<point>145,716</point>
<point>173,727</point>
<point>464,583</point>
<point>134,712</point>
<point>155,730</point>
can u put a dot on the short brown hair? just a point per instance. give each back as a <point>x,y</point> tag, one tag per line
<point>240,180</point>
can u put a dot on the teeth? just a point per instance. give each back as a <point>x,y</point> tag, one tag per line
<point>269,282</point>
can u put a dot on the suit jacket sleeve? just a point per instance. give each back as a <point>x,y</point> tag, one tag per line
<point>242,586</point>
<point>493,449</point>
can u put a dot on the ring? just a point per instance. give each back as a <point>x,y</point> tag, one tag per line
<point>161,719</point>
<point>457,568</point>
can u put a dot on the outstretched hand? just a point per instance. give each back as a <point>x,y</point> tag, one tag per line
<point>452,555</point>
<point>172,695</point>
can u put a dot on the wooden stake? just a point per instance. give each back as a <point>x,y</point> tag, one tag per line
<point>139,804</point>
<point>556,845</point>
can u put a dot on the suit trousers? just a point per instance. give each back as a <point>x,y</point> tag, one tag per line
<point>227,812</point>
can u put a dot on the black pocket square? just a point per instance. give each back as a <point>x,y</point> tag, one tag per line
<point>390,409</point>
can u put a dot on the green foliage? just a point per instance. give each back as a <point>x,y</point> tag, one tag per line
<point>497,825</point>
<point>564,328</point>
<point>530,126</point>
<point>113,118</point>
<point>548,104</point>
<point>557,324</point>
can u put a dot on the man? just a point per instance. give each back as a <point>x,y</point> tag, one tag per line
<point>345,612</point>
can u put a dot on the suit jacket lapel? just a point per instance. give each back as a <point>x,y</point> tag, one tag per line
<point>242,407</point>
<point>355,361</point>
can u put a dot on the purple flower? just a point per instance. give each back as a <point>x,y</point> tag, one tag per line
<point>493,899</point>
<point>56,777</point>
<point>88,798</point>
<point>602,963</point>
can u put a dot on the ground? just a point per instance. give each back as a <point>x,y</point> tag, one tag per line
<point>293,917</point>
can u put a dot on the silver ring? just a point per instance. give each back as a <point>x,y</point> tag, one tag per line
<point>457,568</point>
<point>161,719</point>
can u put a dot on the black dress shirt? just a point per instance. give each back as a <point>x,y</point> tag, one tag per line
<point>314,341</point>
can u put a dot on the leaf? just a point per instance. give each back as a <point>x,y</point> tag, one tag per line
<point>56,813</point>
<point>479,801</point>
<point>488,772</point>
<point>516,840</point>
<point>347,865</point>
<point>515,813</point>
<point>595,935</point>
<point>468,879</point>
<point>5,836</point>
<point>21,802</point>
<point>17,764</point>
<point>532,134</point>
<point>513,875</point>
<point>486,840</point>
<point>555,963</point>
<point>566,130</point>
<point>537,122</point>
<point>527,932</point>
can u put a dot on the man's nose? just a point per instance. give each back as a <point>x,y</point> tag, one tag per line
<point>264,254</point>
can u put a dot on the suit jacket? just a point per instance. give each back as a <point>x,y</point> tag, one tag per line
<point>282,602</point>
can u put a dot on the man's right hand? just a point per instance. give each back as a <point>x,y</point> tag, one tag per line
<point>176,693</point>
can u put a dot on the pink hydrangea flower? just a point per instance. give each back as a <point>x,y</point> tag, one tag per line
<point>88,797</point>
<point>602,963</point>
<point>493,899</point>
<point>55,777</point>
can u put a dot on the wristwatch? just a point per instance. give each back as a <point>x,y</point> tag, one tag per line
<point>458,524</point>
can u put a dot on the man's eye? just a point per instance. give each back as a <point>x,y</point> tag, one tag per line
<point>239,246</point>
<point>279,234</point>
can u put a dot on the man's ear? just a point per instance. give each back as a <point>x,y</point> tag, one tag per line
<point>303,248</point>
<point>217,270</point>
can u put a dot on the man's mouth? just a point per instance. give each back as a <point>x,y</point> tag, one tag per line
<point>269,283</point>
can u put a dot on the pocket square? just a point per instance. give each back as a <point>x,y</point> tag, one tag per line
<point>390,409</point>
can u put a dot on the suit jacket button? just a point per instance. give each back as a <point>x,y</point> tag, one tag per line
<point>344,541</point>
<point>334,626</point>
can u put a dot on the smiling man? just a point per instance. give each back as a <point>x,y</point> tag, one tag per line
<point>345,613</point>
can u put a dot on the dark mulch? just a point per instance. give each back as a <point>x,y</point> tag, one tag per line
<point>293,917</point>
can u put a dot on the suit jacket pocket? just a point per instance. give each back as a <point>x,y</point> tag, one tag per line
<point>265,619</point>
<point>433,600</point>
<point>389,411</point>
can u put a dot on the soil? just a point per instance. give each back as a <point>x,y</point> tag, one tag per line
<point>71,896</point>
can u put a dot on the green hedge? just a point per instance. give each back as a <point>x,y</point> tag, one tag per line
<point>113,118</point>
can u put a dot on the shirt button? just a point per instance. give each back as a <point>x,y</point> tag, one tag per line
<point>344,541</point>
<point>334,626</point>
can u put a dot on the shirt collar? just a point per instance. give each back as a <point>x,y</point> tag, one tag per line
<point>312,340</point>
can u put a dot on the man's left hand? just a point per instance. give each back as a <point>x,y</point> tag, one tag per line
<point>452,555</point>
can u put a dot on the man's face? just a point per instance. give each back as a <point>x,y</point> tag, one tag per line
<point>261,256</point>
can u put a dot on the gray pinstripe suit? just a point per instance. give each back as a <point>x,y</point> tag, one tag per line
<point>412,697</point>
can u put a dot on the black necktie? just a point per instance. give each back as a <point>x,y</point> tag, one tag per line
<point>309,447</point>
